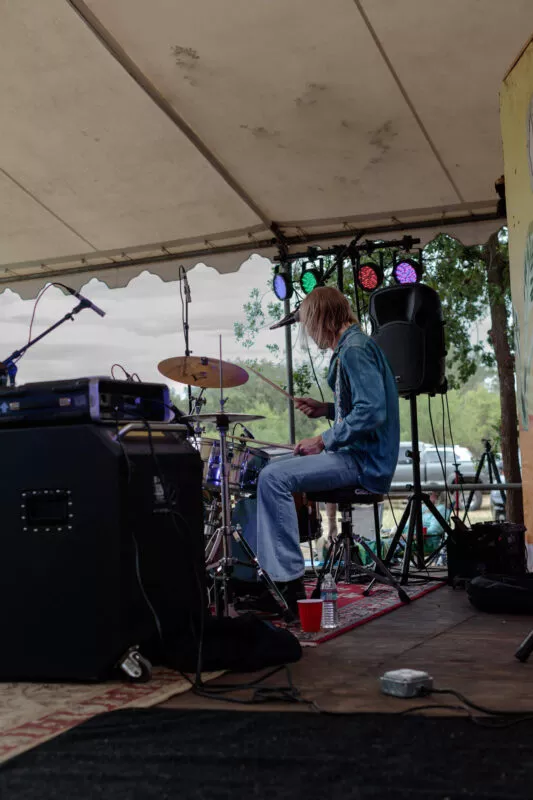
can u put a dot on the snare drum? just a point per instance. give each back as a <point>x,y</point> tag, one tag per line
<point>253,460</point>
<point>210,455</point>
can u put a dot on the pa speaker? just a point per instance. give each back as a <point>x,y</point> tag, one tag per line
<point>94,532</point>
<point>407,324</point>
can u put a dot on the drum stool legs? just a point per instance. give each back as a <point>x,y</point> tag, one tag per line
<point>342,559</point>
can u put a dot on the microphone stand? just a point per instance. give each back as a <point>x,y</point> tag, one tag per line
<point>9,365</point>
<point>185,322</point>
<point>187,350</point>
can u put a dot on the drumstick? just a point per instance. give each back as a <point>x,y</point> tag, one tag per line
<point>271,383</point>
<point>259,441</point>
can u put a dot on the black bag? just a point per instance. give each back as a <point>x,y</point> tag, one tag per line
<point>504,594</point>
<point>240,644</point>
<point>486,548</point>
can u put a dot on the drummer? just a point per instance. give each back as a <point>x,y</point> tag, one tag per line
<point>360,449</point>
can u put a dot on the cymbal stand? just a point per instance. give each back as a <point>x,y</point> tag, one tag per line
<point>223,568</point>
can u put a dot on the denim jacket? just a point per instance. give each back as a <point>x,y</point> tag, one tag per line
<point>366,409</point>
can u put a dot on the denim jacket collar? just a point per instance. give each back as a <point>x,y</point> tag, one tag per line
<point>345,335</point>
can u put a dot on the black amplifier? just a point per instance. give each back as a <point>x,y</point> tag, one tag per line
<point>83,400</point>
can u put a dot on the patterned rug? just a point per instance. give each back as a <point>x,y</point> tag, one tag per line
<point>32,713</point>
<point>355,609</point>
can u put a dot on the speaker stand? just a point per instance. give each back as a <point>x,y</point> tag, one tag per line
<point>414,510</point>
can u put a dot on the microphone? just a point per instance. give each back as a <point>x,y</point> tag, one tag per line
<point>248,433</point>
<point>86,302</point>
<point>289,319</point>
<point>186,287</point>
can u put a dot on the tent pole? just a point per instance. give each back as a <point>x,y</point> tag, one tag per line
<point>290,377</point>
<point>340,274</point>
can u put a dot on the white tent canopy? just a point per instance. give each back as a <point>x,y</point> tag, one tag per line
<point>155,133</point>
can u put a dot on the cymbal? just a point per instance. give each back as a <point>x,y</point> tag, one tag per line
<point>203,372</point>
<point>212,417</point>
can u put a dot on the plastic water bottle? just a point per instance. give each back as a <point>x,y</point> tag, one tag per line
<point>330,612</point>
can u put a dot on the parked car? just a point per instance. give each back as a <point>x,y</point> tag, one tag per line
<point>497,504</point>
<point>437,465</point>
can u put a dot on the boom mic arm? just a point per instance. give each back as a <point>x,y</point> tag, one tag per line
<point>85,300</point>
<point>288,319</point>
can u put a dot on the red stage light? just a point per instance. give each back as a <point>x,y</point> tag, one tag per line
<point>369,277</point>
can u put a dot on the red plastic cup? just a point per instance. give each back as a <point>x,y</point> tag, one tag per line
<point>310,612</point>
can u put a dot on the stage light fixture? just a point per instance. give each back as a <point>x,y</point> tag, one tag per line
<point>310,278</point>
<point>369,276</point>
<point>406,271</point>
<point>282,285</point>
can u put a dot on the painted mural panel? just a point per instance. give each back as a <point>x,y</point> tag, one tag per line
<point>516,100</point>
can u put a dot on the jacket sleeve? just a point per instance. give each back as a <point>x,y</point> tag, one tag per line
<point>368,402</point>
<point>331,411</point>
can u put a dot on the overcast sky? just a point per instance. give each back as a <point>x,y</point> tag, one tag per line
<point>142,325</point>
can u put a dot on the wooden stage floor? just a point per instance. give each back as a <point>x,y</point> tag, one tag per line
<point>441,633</point>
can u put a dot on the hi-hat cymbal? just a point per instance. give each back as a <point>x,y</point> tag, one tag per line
<point>213,416</point>
<point>203,372</point>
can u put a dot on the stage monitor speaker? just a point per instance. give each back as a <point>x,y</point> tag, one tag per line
<point>91,531</point>
<point>407,324</point>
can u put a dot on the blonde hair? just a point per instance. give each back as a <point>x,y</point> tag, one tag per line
<point>322,315</point>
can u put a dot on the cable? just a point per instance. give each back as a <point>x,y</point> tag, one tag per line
<point>494,718</point>
<point>173,514</point>
<point>466,516</point>
<point>436,446</point>
<point>37,299</point>
<point>261,694</point>
<point>445,454</point>
<point>314,374</point>
<point>199,638</point>
<point>124,370</point>
<point>140,582</point>
<point>475,706</point>
<point>389,498</point>
<point>316,379</point>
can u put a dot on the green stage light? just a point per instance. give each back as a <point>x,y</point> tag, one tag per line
<point>309,280</point>
<point>311,276</point>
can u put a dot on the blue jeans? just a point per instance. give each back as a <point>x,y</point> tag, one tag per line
<point>278,539</point>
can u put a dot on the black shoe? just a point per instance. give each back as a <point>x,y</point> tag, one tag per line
<point>267,605</point>
<point>293,591</point>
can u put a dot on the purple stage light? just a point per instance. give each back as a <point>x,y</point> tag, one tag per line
<point>405,272</point>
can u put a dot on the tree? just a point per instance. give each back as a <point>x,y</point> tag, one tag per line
<point>495,256</point>
<point>473,283</point>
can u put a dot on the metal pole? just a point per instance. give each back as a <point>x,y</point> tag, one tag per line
<point>416,510</point>
<point>187,349</point>
<point>290,378</point>
<point>340,274</point>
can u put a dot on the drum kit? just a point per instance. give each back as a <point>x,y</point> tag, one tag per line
<point>231,470</point>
